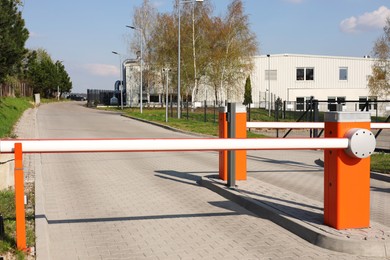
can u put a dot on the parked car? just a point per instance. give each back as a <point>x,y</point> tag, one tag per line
<point>76,97</point>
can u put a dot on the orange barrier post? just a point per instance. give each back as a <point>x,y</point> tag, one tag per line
<point>346,178</point>
<point>19,198</point>
<point>240,133</point>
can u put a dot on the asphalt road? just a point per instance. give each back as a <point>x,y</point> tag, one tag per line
<point>148,205</point>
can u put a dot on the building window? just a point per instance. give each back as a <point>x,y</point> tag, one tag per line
<point>309,73</point>
<point>368,103</point>
<point>343,73</point>
<point>300,74</point>
<point>305,73</point>
<point>300,103</point>
<point>334,102</point>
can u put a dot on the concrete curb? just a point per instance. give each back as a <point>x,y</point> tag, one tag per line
<point>300,228</point>
<point>380,176</point>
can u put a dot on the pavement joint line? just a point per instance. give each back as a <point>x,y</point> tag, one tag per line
<point>313,233</point>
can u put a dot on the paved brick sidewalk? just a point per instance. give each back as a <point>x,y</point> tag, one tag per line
<point>303,216</point>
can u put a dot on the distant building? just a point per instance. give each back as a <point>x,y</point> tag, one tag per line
<point>296,78</point>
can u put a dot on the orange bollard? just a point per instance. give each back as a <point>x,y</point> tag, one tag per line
<point>346,179</point>
<point>240,133</point>
<point>19,198</point>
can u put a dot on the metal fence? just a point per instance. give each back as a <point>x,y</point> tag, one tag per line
<point>102,97</point>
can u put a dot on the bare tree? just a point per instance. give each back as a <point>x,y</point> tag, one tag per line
<point>379,81</point>
<point>194,43</point>
<point>233,46</point>
<point>144,19</point>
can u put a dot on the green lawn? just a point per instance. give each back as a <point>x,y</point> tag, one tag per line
<point>380,162</point>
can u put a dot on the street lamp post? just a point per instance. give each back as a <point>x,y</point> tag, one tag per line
<point>120,77</point>
<point>141,60</point>
<point>269,87</point>
<point>178,56</point>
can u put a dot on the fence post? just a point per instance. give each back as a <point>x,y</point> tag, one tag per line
<point>19,198</point>
<point>346,179</point>
<point>240,132</point>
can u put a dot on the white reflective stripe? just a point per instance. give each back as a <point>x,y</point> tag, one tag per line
<point>303,125</point>
<point>285,125</point>
<point>148,145</point>
<point>380,125</point>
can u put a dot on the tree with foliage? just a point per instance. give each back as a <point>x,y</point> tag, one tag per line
<point>379,81</point>
<point>233,47</point>
<point>46,76</point>
<point>64,82</point>
<point>13,36</point>
<point>214,51</point>
<point>248,92</point>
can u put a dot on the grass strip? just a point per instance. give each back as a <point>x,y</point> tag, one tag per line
<point>11,109</point>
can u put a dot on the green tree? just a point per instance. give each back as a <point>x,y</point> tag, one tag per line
<point>63,80</point>
<point>46,76</point>
<point>214,51</point>
<point>248,92</point>
<point>13,36</point>
<point>379,81</point>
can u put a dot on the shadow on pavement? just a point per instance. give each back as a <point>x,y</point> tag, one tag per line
<point>135,218</point>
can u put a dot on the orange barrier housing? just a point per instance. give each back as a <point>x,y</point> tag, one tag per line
<point>19,198</point>
<point>346,179</point>
<point>240,133</point>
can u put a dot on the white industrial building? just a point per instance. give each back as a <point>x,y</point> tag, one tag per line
<point>293,78</point>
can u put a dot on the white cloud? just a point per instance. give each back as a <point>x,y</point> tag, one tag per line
<point>366,21</point>
<point>102,69</point>
<point>35,35</point>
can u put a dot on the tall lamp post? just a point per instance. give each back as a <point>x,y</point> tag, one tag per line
<point>141,60</point>
<point>269,87</point>
<point>120,76</point>
<point>178,56</point>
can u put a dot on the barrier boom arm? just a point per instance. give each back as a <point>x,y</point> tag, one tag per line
<point>156,145</point>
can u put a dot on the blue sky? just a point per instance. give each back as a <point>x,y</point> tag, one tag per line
<point>83,33</point>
